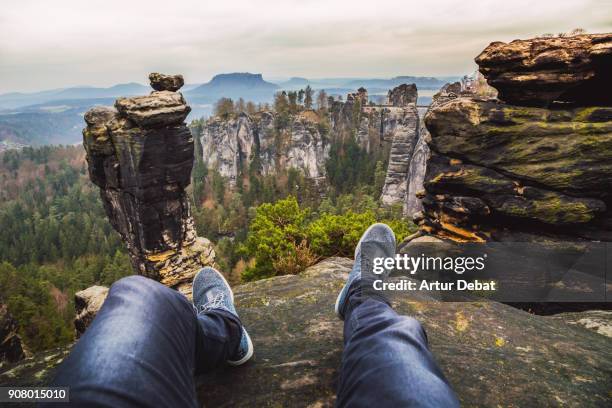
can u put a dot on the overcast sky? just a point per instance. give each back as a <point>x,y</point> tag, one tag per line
<point>58,43</point>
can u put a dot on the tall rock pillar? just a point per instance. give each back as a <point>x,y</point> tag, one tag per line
<point>140,153</point>
<point>401,121</point>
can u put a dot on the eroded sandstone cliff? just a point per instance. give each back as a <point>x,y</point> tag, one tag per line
<point>404,122</point>
<point>230,145</point>
<point>500,170</point>
<point>140,155</point>
<point>540,71</point>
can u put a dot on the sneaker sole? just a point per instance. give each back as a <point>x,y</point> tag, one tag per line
<point>337,305</point>
<point>249,354</point>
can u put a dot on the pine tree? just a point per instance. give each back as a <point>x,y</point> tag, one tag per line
<point>308,97</point>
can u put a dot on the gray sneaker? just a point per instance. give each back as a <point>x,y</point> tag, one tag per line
<point>211,291</point>
<point>381,242</point>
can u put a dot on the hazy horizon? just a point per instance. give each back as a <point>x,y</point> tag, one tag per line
<point>69,43</point>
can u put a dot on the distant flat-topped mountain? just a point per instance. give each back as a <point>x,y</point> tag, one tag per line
<point>235,85</point>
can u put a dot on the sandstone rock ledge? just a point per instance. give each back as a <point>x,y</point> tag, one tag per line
<point>493,354</point>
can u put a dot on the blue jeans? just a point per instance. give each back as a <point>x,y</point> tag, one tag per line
<point>386,361</point>
<point>144,348</point>
<point>147,343</point>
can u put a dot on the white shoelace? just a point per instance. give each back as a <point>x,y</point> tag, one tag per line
<point>216,302</point>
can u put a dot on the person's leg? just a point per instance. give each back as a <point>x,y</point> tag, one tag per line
<point>386,360</point>
<point>143,348</point>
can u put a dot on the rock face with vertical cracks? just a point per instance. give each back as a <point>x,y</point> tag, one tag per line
<point>230,145</point>
<point>539,71</point>
<point>140,154</point>
<point>405,121</point>
<point>421,153</point>
<point>507,172</point>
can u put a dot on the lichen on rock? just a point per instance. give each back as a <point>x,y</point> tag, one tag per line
<point>501,171</point>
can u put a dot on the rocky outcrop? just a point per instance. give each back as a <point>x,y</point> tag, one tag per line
<point>497,170</point>
<point>492,354</point>
<point>161,82</point>
<point>421,153</point>
<point>447,93</point>
<point>11,348</point>
<point>404,123</point>
<point>140,155</point>
<point>230,145</point>
<point>87,303</point>
<point>403,95</point>
<point>539,71</point>
<point>565,150</point>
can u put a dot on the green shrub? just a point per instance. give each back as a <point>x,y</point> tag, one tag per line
<point>285,239</point>
<point>277,230</point>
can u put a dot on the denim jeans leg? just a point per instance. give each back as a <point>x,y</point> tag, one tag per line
<point>386,361</point>
<point>142,349</point>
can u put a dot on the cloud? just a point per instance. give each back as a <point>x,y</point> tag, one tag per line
<point>71,42</point>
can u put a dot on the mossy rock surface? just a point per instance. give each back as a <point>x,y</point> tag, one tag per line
<point>506,196</point>
<point>565,150</point>
<point>493,354</point>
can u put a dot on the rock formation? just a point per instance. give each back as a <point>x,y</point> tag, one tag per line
<point>421,154</point>
<point>161,82</point>
<point>403,95</point>
<point>405,123</point>
<point>140,154</point>
<point>230,145</point>
<point>492,354</point>
<point>11,348</point>
<point>87,303</point>
<point>505,172</point>
<point>416,172</point>
<point>540,71</point>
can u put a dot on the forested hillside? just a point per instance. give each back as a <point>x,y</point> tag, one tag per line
<point>55,240</point>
